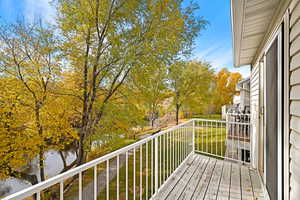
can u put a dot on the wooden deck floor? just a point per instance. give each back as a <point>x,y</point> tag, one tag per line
<point>201,177</point>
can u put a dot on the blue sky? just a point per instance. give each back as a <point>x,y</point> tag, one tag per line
<point>214,45</point>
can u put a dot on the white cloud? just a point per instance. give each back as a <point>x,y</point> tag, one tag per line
<point>244,70</point>
<point>35,9</point>
<point>217,55</point>
<point>220,56</point>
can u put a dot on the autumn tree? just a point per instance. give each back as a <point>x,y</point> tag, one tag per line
<point>148,85</point>
<point>190,83</point>
<point>225,87</point>
<point>105,40</point>
<point>30,120</point>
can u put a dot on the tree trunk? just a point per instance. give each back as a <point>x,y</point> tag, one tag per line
<point>40,132</point>
<point>80,158</point>
<point>41,165</point>
<point>177,113</point>
<point>152,122</point>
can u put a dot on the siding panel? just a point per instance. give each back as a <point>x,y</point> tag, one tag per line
<point>295,31</point>
<point>295,108</point>
<point>295,100</point>
<point>254,106</point>
<point>295,77</point>
<point>295,62</point>
<point>295,47</point>
<point>295,13</point>
<point>295,92</point>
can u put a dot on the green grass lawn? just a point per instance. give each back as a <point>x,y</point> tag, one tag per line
<point>163,152</point>
<point>146,176</point>
<point>211,140</point>
<point>211,116</point>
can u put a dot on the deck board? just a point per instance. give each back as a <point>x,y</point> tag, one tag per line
<point>213,187</point>
<point>223,193</point>
<point>182,183</point>
<point>174,178</point>
<point>191,186</point>
<point>208,178</point>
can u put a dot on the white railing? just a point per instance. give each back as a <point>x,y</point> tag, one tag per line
<point>140,169</point>
<point>223,139</point>
<point>135,171</point>
<point>238,117</point>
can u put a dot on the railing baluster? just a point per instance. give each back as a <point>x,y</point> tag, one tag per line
<point>233,138</point>
<point>193,136</point>
<point>216,137</point>
<point>61,190</point>
<point>95,182</point>
<point>147,170</point>
<point>168,154</point>
<point>244,161</point>
<point>141,170</point>
<point>184,142</point>
<point>118,177</point>
<point>80,186</point>
<point>211,138</point>
<point>156,164</point>
<point>126,176</point>
<point>202,133</point>
<point>152,149</point>
<point>177,148</point>
<point>164,157</point>
<point>134,173</point>
<point>160,137</point>
<point>173,151</point>
<point>221,137</point>
<point>179,135</point>
<point>239,157</point>
<point>38,195</point>
<point>107,179</point>
<point>206,136</point>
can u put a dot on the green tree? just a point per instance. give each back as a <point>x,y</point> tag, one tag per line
<point>149,87</point>
<point>104,41</point>
<point>190,83</point>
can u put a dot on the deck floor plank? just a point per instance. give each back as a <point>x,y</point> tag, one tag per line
<point>174,178</point>
<point>206,178</point>
<point>192,184</point>
<point>246,185</point>
<point>223,193</point>
<point>204,182</point>
<point>256,185</point>
<point>182,183</point>
<point>235,183</point>
<point>212,190</point>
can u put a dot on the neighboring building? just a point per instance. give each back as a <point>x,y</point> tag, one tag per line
<point>266,36</point>
<point>241,102</point>
<point>244,101</point>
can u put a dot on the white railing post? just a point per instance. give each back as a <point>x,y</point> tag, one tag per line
<point>193,139</point>
<point>156,165</point>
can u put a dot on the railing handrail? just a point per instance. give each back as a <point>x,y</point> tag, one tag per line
<point>222,121</point>
<point>74,171</point>
<point>58,179</point>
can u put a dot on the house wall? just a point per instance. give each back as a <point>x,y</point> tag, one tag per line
<point>294,99</point>
<point>254,110</point>
<point>292,57</point>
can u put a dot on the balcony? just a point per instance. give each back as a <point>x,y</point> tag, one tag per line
<point>198,159</point>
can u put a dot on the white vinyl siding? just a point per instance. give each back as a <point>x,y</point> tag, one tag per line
<point>295,100</point>
<point>254,106</point>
